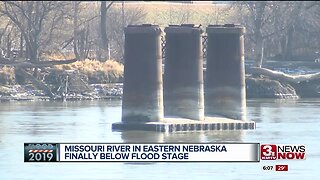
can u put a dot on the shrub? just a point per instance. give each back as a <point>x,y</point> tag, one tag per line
<point>109,71</point>
<point>7,75</point>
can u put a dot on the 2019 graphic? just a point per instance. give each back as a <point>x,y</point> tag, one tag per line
<point>40,152</point>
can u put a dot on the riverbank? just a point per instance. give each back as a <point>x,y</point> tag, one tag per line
<point>30,93</point>
<point>256,87</point>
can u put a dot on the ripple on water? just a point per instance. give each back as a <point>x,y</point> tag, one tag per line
<point>282,122</point>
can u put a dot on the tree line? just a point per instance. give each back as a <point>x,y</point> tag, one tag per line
<point>35,29</point>
<point>281,30</point>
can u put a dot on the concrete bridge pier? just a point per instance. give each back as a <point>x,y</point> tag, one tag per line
<point>142,102</point>
<point>225,73</point>
<point>183,74</point>
<point>142,91</point>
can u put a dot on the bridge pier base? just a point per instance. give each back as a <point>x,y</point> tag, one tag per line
<point>169,125</point>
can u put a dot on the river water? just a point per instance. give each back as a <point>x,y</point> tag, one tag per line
<point>278,122</point>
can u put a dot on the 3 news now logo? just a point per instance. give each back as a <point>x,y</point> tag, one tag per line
<point>287,152</point>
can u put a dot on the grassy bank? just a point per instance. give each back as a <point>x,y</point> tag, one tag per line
<point>97,72</point>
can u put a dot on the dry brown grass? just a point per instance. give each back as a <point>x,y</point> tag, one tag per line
<point>97,72</point>
<point>91,66</point>
<point>7,75</point>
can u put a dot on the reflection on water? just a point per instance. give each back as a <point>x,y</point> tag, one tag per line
<point>187,137</point>
<point>278,122</point>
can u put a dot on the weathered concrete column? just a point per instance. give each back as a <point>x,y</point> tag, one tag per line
<point>225,74</point>
<point>142,90</point>
<point>183,74</point>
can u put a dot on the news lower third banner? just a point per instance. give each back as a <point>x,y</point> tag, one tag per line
<point>141,152</point>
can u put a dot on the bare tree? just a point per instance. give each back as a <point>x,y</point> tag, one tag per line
<point>103,27</point>
<point>29,17</point>
<point>76,5</point>
<point>295,11</point>
<point>255,17</point>
<point>36,22</point>
<point>115,27</point>
<point>281,29</point>
<point>80,32</point>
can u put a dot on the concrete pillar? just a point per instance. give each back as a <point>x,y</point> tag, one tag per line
<point>142,90</point>
<point>183,74</point>
<point>225,74</point>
